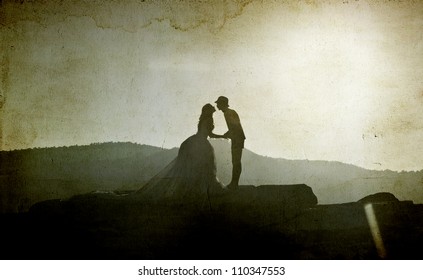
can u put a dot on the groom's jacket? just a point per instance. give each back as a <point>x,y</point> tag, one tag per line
<point>235,132</point>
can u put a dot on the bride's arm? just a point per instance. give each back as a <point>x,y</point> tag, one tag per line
<point>210,126</point>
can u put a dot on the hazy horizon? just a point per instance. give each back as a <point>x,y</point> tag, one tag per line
<point>212,141</point>
<point>327,81</point>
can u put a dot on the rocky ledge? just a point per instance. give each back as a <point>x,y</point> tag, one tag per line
<point>264,222</point>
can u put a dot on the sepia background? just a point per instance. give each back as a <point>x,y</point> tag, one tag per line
<point>316,80</point>
<point>97,96</point>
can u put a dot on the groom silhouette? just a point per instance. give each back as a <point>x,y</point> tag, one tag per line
<point>237,136</point>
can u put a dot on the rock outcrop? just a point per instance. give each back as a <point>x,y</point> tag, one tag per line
<point>264,222</point>
<point>379,197</point>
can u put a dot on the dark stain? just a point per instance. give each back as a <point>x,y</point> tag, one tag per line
<point>4,73</point>
<point>4,79</point>
<point>2,100</point>
<point>181,15</point>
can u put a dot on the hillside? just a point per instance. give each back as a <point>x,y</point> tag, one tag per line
<point>332,182</point>
<point>29,176</point>
<point>33,175</point>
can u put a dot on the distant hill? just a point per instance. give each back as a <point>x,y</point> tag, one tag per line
<point>332,182</point>
<point>33,175</point>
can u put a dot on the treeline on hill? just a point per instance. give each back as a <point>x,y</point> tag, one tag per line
<point>32,175</point>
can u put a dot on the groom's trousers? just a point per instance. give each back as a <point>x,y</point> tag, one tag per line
<point>236,149</point>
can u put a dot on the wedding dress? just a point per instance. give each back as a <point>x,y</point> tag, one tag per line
<point>191,176</point>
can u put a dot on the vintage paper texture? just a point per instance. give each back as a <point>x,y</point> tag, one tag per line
<point>329,94</point>
<point>321,80</point>
<point>311,80</point>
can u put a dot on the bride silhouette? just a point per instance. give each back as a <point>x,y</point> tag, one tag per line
<point>191,176</point>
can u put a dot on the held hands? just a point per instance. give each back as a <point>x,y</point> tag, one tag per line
<point>218,136</point>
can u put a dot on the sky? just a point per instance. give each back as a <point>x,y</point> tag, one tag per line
<point>316,80</point>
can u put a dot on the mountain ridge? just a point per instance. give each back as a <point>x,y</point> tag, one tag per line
<point>31,175</point>
<point>211,140</point>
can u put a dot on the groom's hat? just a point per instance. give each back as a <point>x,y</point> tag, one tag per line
<point>222,100</point>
